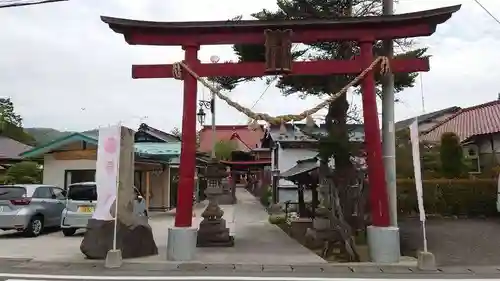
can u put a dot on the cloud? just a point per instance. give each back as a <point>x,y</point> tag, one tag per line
<point>66,69</point>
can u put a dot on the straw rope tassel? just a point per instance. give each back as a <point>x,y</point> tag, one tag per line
<point>309,121</point>
<point>282,127</point>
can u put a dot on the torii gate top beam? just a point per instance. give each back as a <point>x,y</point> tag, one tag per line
<point>408,25</point>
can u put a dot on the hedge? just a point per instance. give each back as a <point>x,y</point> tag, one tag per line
<point>457,197</point>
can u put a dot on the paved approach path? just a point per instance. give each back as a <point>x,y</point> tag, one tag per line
<point>256,240</point>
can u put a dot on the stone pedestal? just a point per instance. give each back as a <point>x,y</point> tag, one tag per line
<point>213,231</point>
<point>320,230</point>
<point>426,261</point>
<point>134,242</point>
<point>134,236</point>
<point>113,259</point>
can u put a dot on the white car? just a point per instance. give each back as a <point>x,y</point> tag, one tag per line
<point>80,205</point>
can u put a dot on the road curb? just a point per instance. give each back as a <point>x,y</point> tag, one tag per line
<point>199,268</point>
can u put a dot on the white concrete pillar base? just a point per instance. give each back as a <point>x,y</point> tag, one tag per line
<point>383,244</point>
<point>181,244</point>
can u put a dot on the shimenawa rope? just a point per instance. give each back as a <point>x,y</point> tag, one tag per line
<point>177,72</point>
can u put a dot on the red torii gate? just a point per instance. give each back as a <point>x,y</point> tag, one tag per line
<point>365,30</point>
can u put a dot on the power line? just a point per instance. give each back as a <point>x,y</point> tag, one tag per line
<point>18,3</point>
<point>263,93</point>
<point>487,11</point>
<point>271,82</point>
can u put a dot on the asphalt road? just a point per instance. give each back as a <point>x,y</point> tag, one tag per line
<point>40,277</point>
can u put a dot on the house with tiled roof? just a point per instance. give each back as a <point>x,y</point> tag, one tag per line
<point>10,150</point>
<point>245,139</point>
<point>428,120</point>
<point>478,128</point>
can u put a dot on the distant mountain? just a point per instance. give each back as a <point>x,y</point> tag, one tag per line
<point>45,135</point>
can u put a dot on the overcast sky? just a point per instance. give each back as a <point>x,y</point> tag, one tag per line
<point>67,70</point>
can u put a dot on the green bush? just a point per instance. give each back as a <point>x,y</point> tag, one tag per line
<point>451,154</point>
<point>277,219</point>
<point>265,198</point>
<point>448,197</point>
<point>25,172</point>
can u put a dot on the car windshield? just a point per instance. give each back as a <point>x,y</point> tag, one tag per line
<point>11,192</point>
<point>82,192</point>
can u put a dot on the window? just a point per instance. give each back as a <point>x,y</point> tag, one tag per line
<point>59,193</point>
<point>43,192</point>
<point>82,192</point>
<point>77,176</point>
<point>473,158</point>
<point>11,192</point>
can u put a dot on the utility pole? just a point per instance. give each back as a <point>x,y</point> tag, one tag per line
<point>388,130</point>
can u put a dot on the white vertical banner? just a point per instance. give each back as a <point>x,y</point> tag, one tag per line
<point>415,145</point>
<point>108,158</point>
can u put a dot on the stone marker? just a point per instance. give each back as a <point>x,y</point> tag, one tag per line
<point>134,235</point>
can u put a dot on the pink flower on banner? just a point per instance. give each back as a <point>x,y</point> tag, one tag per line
<point>110,145</point>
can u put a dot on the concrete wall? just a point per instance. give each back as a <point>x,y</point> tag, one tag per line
<point>160,191</point>
<point>54,170</point>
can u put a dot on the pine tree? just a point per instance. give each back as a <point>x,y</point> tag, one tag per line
<point>336,144</point>
<point>11,123</point>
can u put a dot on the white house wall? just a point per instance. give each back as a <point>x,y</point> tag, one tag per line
<point>288,158</point>
<point>54,170</point>
<point>160,191</point>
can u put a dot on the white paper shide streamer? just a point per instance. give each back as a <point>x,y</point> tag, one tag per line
<point>415,145</point>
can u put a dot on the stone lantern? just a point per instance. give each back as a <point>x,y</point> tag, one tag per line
<point>213,231</point>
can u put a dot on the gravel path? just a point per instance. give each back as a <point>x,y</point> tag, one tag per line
<point>457,242</point>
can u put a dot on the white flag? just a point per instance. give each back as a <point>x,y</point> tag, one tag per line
<point>108,157</point>
<point>415,145</point>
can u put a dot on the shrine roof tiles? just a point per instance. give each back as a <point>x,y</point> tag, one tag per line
<point>295,132</point>
<point>249,138</point>
<point>469,122</point>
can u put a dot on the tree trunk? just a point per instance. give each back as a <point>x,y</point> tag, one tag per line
<point>341,197</point>
<point>315,199</point>
<point>302,203</point>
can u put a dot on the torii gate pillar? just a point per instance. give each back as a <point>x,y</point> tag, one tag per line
<point>383,239</point>
<point>181,244</point>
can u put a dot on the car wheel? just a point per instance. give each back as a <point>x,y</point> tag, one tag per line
<point>35,227</point>
<point>69,231</point>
